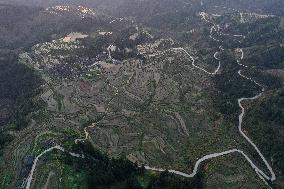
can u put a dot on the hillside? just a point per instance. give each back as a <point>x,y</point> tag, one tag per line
<point>149,94</point>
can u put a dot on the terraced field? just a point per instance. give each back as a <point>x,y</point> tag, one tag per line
<point>132,100</point>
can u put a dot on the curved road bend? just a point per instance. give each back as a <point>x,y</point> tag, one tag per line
<point>193,61</point>
<point>241,116</point>
<point>258,171</point>
<point>57,147</point>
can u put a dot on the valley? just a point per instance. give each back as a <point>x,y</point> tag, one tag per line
<point>166,100</point>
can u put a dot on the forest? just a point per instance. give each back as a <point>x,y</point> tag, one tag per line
<point>121,173</point>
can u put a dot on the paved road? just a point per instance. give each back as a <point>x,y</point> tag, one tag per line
<point>193,61</point>
<point>258,171</point>
<point>241,116</point>
<point>207,157</point>
<point>57,147</point>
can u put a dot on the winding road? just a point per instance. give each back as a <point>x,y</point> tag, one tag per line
<point>207,157</point>
<point>241,116</point>
<point>57,147</point>
<point>258,171</point>
<point>193,61</point>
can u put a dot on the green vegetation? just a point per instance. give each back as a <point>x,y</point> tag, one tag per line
<point>104,173</point>
<point>266,57</point>
<point>74,178</point>
<point>5,138</point>
<point>152,105</point>
<point>19,85</point>
<point>231,86</point>
<point>266,118</point>
<point>6,180</point>
<point>93,74</point>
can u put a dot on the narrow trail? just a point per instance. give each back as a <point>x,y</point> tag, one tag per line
<point>94,124</point>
